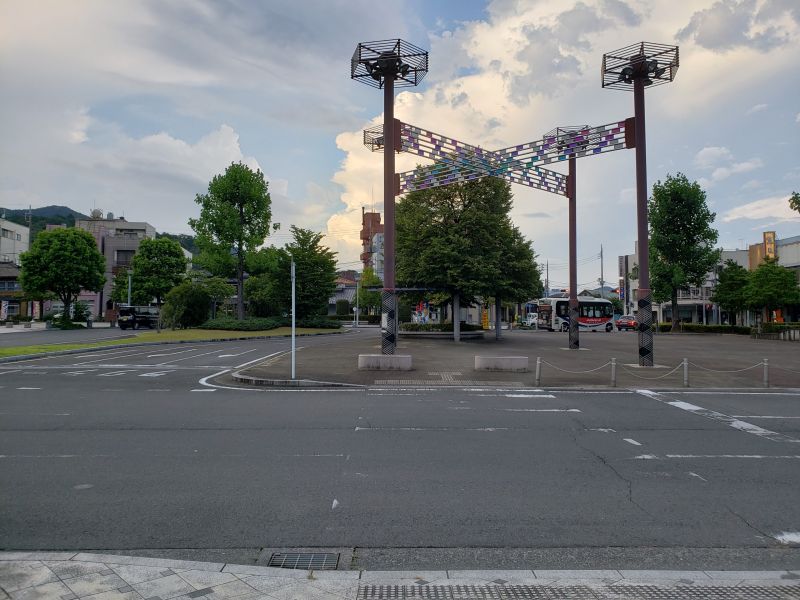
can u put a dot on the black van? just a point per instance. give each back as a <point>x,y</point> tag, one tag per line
<point>137,316</point>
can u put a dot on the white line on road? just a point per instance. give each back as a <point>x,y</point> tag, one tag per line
<point>762,417</point>
<point>156,374</point>
<point>76,373</point>
<point>550,410</point>
<point>727,393</point>
<point>204,390</point>
<point>9,372</point>
<point>114,373</point>
<point>239,354</point>
<point>708,456</point>
<point>36,414</point>
<point>28,388</point>
<point>604,430</point>
<point>122,355</point>
<point>169,362</point>
<point>57,455</point>
<point>431,429</point>
<point>631,441</point>
<point>718,416</point>
<point>698,476</point>
<point>171,353</point>
<point>529,395</point>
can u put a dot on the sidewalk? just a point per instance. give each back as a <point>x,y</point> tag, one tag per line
<point>74,576</point>
<point>714,361</point>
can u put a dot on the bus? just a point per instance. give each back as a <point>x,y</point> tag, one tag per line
<point>594,314</point>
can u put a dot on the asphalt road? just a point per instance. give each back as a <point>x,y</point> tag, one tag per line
<point>146,448</point>
<point>29,337</point>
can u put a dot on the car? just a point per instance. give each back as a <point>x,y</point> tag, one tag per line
<point>137,316</point>
<point>626,322</point>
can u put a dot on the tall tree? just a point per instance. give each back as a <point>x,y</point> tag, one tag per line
<point>369,300</point>
<point>730,291</point>
<point>794,201</point>
<point>771,287</point>
<point>234,221</point>
<point>459,239</point>
<point>158,266</point>
<point>62,262</point>
<point>681,239</point>
<point>119,291</point>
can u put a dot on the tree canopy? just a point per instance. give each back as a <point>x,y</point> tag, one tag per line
<point>730,291</point>
<point>234,220</point>
<point>772,286</point>
<point>794,202</point>
<point>682,239</point>
<point>459,238</point>
<point>62,262</point>
<point>369,300</point>
<point>158,266</point>
<point>119,291</point>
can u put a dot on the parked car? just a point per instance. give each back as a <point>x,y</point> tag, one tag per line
<point>626,322</point>
<point>137,316</point>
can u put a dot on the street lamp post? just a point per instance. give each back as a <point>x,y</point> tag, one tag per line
<point>638,66</point>
<point>388,64</point>
<point>130,275</point>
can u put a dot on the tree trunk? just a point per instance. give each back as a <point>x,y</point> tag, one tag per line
<point>675,311</point>
<point>456,319</point>
<point>497,318</point>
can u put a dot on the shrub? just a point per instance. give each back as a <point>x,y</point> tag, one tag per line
<point>444,327</point>
<point>67,325</point>
<point>343,308</point>
<point>80,312</point>
<point>267,323</point>
<point>778,327</point>
<point>186,305</point>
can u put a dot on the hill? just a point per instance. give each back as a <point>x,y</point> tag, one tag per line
<point>39,217</point>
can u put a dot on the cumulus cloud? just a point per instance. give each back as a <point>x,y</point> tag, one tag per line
<point>712,155</point>
<point>722,164</point>
<point>774,207</point>
<point>756,108</point>
<point>730,24</point>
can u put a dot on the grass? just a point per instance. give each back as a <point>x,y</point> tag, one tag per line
<point>166,335</point>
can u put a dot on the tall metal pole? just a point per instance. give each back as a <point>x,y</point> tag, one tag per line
<point>574,342</point>
<point>130,273</point>
<point>293,320</point>
<point>644,314</point>
<point>602,279</point>
<point>389,335</point>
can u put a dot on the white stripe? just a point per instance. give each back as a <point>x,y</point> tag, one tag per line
<point>9,372</point>
<point>571,410</point>
<point>28,388</point>
<point>630,441</point>
<point>204,390</point>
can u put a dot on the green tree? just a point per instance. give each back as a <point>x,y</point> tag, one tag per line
<point>772,286</point>
<point>158,266</point>
<point>616,303</point>
<point>681,239</point>
<point>794,201</point>
<point>186,305</point>
<point>119,291</point>
<point>62,262</point>
<point>268,287</point>
<point>459,239</point>
<point>730,291</point>
<point>218,290</point>
<point>234,221</point>
<point>369,300</point>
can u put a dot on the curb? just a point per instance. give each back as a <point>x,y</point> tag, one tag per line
<point>21,357</point>
<point>290,383</point>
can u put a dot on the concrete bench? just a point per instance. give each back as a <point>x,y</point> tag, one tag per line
<point>517,364</point>
<point>384,362</point>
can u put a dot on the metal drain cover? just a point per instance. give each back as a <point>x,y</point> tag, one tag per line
<point>577,592</point>
<point>316,561</point>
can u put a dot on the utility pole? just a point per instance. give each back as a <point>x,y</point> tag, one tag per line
<point>547,280</point>
<point>293,320</point>
<point>602,281</point>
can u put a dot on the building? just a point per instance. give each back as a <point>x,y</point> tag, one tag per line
<point>14,240</point>
<point>372,242</point>
<point>694,303</point>
<point>11,301</point>
<point>117,240</point>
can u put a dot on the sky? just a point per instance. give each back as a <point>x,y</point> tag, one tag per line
<point>133,106</point>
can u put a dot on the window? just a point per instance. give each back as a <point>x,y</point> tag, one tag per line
<point>562,309</point>
<point>125,257</point>
<point>6,233</point>
<point>19,237</point>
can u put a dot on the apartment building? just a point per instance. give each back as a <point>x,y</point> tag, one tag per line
<point>14,240</point>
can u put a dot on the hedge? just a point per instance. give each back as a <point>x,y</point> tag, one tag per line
<point>267,323</point>
<point>446,327</point>
<point>778,327</point>
<point>700,328</point>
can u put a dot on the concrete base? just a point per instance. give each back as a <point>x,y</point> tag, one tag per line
<point>517,364</point>
<point>384,362</point>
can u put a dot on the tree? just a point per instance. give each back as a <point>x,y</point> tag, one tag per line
<point>730,291</point>
<point>268,288</point>
<point>369,300</point>
<point>771,287</point>
<point>218,290</point>
<point>234,220</point>
<point>187,305</point>
<point>62,262</point>
<point>158,266</point>
<point>681,239</point>
<point>794,201</point>
<point>459,239</point>
<point>119,291</point>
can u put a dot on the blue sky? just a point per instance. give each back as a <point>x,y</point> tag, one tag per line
<point>132,107</point>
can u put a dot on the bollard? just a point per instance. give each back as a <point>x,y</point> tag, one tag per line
<point>685,372</point>
<point>766,372</point>
<point>538,371</point>
<point>613,372</point>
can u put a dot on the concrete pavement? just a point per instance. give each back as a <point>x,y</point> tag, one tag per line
<point>75,576</point>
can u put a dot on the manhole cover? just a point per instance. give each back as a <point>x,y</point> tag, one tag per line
<point>316,561</point>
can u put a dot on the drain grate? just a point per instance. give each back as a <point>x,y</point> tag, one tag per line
<point>577,592</point>
<point>311,561</point>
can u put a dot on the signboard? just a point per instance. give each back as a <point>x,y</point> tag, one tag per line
<point>769,244</point>
<point>484,318</point>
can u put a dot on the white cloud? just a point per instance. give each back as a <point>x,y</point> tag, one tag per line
<point>721,160</point>
<point>711,156</point>
<point>797,118</point>
<point>756,108</point>
<point>774,207</point>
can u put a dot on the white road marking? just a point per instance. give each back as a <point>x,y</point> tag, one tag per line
<point>171,353</point>
<point>334,504</point>
<point>169,362</point>
<point>698,476</point>
<point>753,456</point>
<point>36,414</point>
<point>431,429</point>
<point>239,354</point>
<point>773,436</point>
<point>788,537</point>
<point>631,441</point>
<point>727,393</point>
<point>762,417</point>
<point>158,390</point>
<point>646,457</point>
<point>529,395</point>
<point>28,388</point>
<point>204,390</point>
<point>76,373</point>
<point>114,373</point>
<point>156,374</point>
<point>604,430</point>
<point>121,355</point>
<point>57,455</point>
<point>82,486</point>
<point>9,372</point>
<point>551,410</point>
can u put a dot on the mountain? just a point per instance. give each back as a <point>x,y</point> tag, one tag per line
<point>39,217</point>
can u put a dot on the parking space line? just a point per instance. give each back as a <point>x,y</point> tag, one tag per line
<point>114,373</point>
<point>9,372</point>
<point>169,362</point>
<point>631,441</point>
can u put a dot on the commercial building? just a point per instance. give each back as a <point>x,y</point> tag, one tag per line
<point>372,242</point>
<point>14,240</point>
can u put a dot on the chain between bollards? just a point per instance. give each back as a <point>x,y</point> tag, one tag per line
<point>685,372</point>
<point>538,371</point>
<point>766,372</point>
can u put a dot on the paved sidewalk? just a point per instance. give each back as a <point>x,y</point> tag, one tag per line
<point>73,576</point>
<point>715,361</point>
